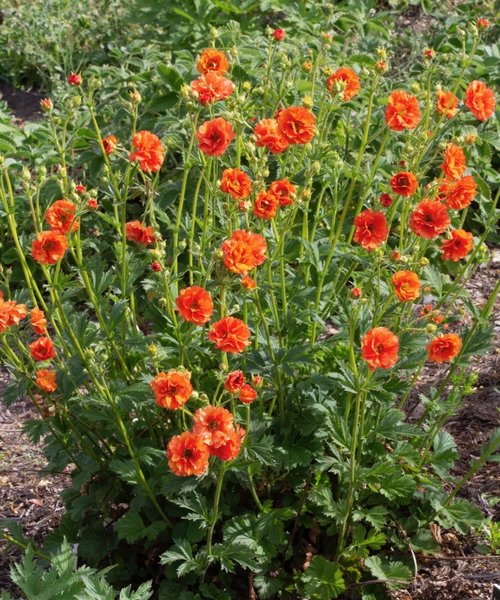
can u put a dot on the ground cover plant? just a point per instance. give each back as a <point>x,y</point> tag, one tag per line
<point>250,275</point>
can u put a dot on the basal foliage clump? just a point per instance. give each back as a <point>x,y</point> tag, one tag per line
<point>222,314</point>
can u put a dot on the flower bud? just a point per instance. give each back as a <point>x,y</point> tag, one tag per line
<point>246,86</point>
<point>307,102</point>
<point>430,328</point>
<point>424,261</point>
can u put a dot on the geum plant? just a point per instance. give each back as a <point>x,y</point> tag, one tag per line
<point>259,301</point>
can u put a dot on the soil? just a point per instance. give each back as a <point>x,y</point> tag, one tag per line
<point>24,105</point>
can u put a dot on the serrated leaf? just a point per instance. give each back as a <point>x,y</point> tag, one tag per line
<point>323,579</point>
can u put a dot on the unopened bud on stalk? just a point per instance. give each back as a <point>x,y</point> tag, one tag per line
<point>218,254</point>
<point>327,71</point>
<point>415,87</point>
<point>233,52</point>
<point>307,102</point>
<point>483,253</point>
<point>135,97</point>
<point>424,261</point>
<point>214,33</point>
<point>382,53</point>
<point>222,367</point>
<point>203,398</point>
<point>194,395</point>
<point>461,33</point>
<point>42,173</point>
<point>26,175</point>
<point>182,244</point>
<point>265,172</point>
<point>316,166</point>
<point>89,354</point>
<point>430,328</point>
<point>307,66</point>
<point>306,194</point>
<point>269,31</point>
<point>163,303</point>
<point>404,259</point>
<point>153,349</point>
<point>246,86</point>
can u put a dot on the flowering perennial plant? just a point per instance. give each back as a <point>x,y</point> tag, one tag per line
<point>224,311</point>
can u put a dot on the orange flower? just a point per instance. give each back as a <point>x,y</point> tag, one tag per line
<point>46,380</point>
<point>48,247</point>
<point>212,60</point>
<point>480,100</point>
<point>195,305</point>
<point>348,83</point>
<point>244,251</point>
<point>42,349</point>
<point>211,87</point>
<point>236,183</point>
<point>231,449</point>
<point>403,111</point>
<point>444,348</point>
<point>404,183</point>
<point>447,103</point>
<point>10,313</point>
<point>110,143</point>
<point>284,191</point>
<point>46,105</point>
<point>429,219</point>
<point>75,79</point>
<point>38,321</point>
<point>265,205</point>
<point>92,204</point>
<point>380,348</point>
<point>385,200</point>
<point>371,229</point>
<point>214,136</point>
<point>230,335</point>
<point>454,161</point>
<point>172,389</point>
<point>247,394</point>
<point>406,285</point>
<point>187,454</point>
<point>268,135</point>
<point>248,283</point>
<point>135,231</point>
<point>148,150</point>
<point>296,124</point>
<point>214,424</point>
<point>458,194</point>
<point>458,246</point>
<point>234,381</point>
<point>60,216</point>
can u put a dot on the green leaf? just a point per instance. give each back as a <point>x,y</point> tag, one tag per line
<point>396,574</point>
<point>444,453</point>
<point>323,579</point>
<point>130,527</point>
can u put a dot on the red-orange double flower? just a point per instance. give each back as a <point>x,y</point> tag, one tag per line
<point>42,349</point>
<point>348,82</point>
<point>171,389</point>
<point>187,454</point>
<point>212,60</point>
<point>247,394</point>
<point>195,305</point>
<point>269,136</point>
<point>49,247</point>
<point>10,313</point>
<point>234,382</point>
<point>214,136</point>
<point>446,104</point>
<point>265,205</point>
<point>148,151</point>
<point>406,285</point>
<point>215,425</point>
<point>230,335</point>
<point>380,348</point>
<point>211,87</point>
<point>296,124</point>
<point>236,183</point>
<point>60,216</point>
<point>454,162</point>
<point>429,219</point>
<point>135,231</point>
<point>46,380</point>
<point>404,183</point>
<point>231,448</point>
<point>444,348</point>
<point>371,229</point>
<point>38,321</point>
<point>458,246</point>
<point>403,111</point>
<point>244,251</point>
<point>458,194</point>
<point>480,100</point>
<point>283,190</point>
